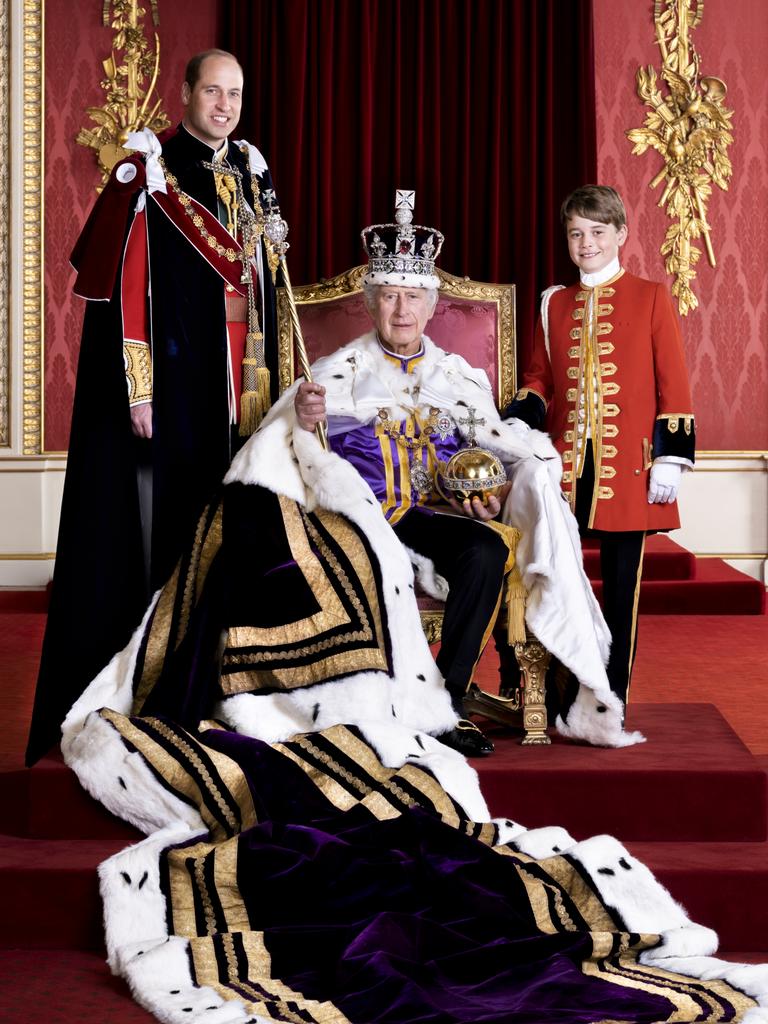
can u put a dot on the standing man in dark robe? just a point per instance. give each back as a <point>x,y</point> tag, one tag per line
<point>178,363</point>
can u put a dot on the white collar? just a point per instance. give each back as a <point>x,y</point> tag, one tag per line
<point>601,276</point>
<point>219,152</point>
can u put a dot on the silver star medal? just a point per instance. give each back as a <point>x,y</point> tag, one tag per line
<point>421,478</point>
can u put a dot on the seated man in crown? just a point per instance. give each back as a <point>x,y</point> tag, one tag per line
<point>295,608</point>
<point>397,408</point>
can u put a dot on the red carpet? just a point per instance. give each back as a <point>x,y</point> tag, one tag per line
<point>675,582</point>
<point>691,802</point>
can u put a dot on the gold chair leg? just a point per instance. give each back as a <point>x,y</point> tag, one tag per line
<point>533,659</point>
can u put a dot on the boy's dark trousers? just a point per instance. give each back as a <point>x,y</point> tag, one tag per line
<point>621,569</point>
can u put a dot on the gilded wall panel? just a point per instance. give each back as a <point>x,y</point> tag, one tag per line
<point>5,215</point>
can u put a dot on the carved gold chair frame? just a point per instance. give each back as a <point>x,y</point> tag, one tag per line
<point>520,702</point>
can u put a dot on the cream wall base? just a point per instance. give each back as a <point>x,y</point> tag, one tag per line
<point>724,510</point>
<point>30,501</point>
<point>723,504</point>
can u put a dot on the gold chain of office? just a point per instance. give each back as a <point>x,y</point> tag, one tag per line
<point>245,255</point>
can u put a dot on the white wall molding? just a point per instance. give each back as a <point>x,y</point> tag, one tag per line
<point>724,510</point>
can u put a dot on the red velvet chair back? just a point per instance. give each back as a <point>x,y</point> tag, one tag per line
<point>472,318</point>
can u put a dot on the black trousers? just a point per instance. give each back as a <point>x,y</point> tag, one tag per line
<point>471,557</point>
<point>621,569</point>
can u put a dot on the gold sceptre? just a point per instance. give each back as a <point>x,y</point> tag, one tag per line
<point>276,231</point>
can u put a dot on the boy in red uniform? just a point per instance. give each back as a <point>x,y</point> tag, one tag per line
<point>609,382</point>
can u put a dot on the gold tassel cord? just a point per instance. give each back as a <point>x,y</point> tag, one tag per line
<point>515,601</point>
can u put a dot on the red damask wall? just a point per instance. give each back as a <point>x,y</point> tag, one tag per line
<point>726,338</point>
<point>75,44</point>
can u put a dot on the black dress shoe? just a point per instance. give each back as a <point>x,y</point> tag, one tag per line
<point>467,739</point>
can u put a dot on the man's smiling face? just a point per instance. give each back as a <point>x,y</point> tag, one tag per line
<point>213,103</point>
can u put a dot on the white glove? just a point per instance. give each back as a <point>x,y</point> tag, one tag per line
<point>664,483</point>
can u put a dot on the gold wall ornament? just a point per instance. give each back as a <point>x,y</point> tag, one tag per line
<point>131,63</point>
<point>691,128</point>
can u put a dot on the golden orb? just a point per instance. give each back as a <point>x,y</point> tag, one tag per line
<point>472,472</point>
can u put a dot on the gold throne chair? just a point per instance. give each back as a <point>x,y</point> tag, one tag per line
<point>476,320</point>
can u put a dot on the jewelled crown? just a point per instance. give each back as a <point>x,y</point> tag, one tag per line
<point>402,253</point>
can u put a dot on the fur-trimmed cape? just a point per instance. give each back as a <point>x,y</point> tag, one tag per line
<point>347,871</point>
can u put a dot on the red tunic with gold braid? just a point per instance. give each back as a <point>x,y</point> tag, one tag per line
<point>612,366</point>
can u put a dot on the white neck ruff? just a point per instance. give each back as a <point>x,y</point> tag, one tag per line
<point>601,276</point>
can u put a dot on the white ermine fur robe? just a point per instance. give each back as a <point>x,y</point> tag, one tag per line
<point>561,611</point>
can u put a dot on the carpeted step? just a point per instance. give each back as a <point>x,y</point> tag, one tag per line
<point>52,899</point>
<point>48,802</point>
<point>721,885</point>
<point>21,601</point>
<point>75,986</point>
<point>51,895</point>
<point>693,780</point>
<point>692,757</point>
<point>663,560</point>
<point>716,589</point>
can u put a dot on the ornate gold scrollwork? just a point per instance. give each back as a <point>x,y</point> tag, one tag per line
<point>126,107</point>
<point>526,696</point>
<point>432,624</point>
<point>691,129</point>
<point>533,659</point>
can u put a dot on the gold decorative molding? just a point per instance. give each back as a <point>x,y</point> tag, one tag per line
<point>752,556</point>
<point>732,453</point>
<point>32,227</point>
<point>29,556</point>
<point>5,219</point>
<point>691,128</point>
<point>351,281</point>
<point>131,63</point>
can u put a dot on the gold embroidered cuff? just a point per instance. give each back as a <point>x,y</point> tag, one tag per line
<point>138,371</point>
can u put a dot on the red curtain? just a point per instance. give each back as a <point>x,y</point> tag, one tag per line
<point>484,107</point>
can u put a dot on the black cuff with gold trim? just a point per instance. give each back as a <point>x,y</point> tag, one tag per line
<point>528,407</point>
<point>674,435</point>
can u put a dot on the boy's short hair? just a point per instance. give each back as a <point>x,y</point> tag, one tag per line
<point>595,202</point>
